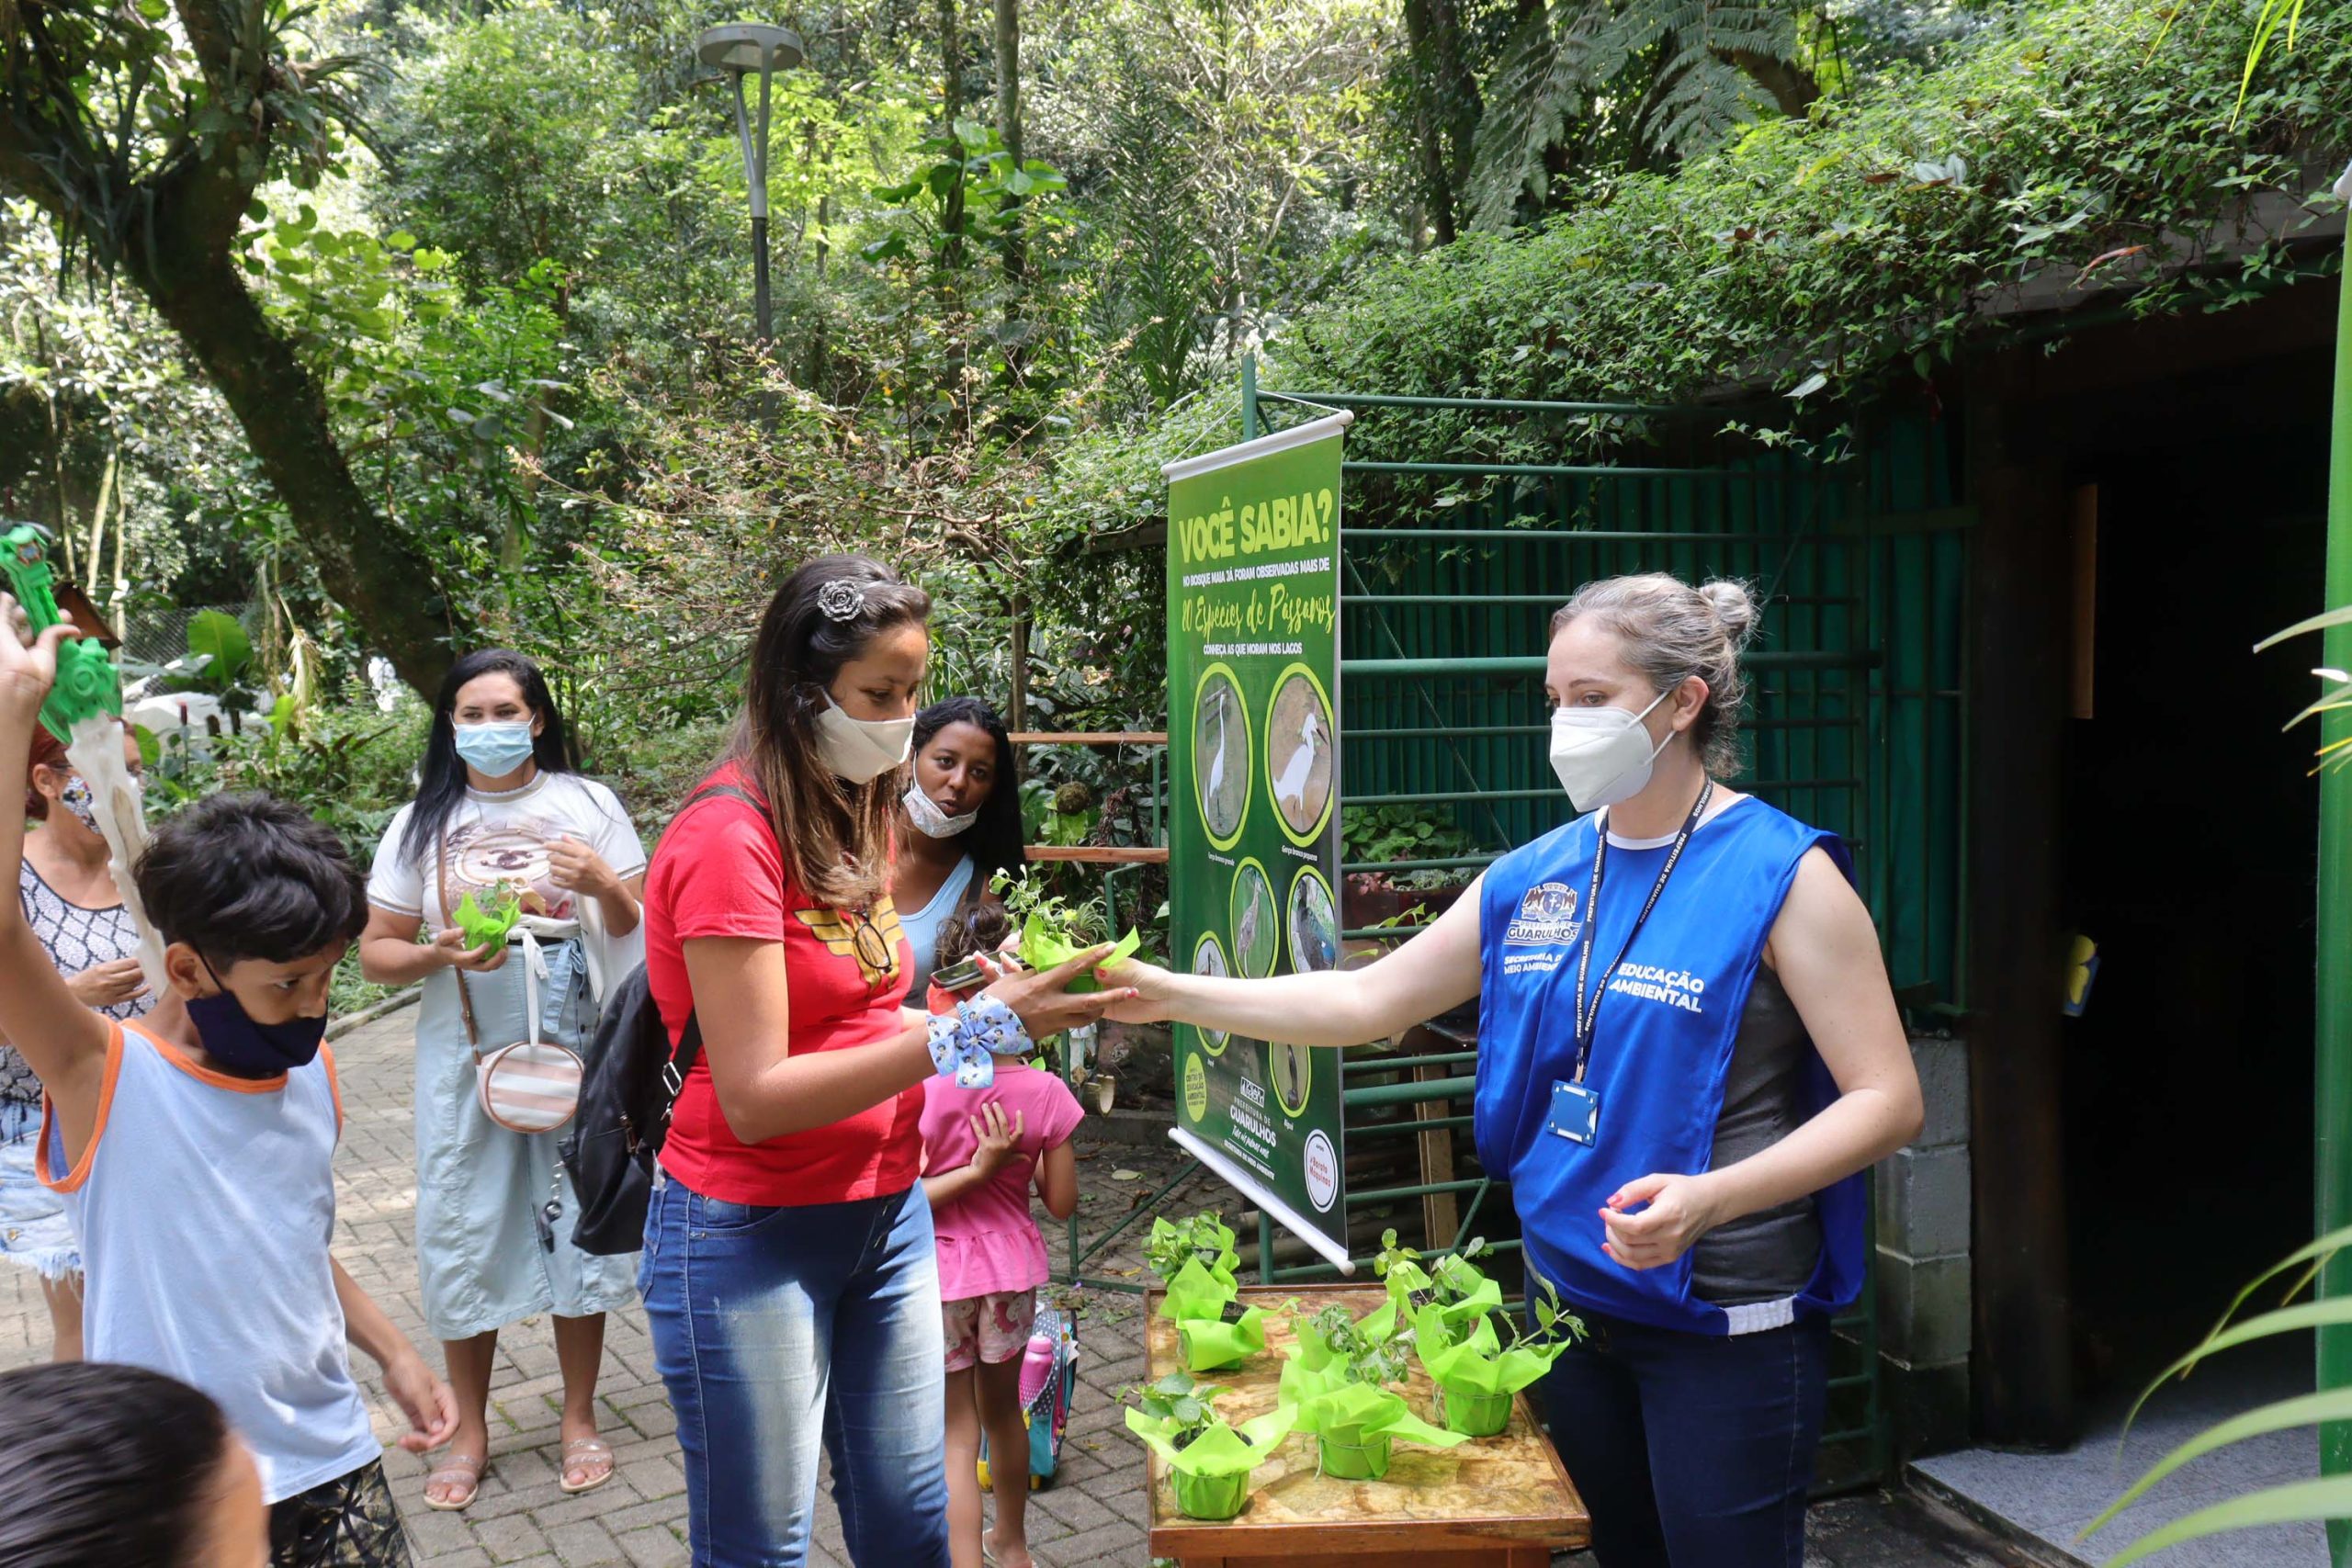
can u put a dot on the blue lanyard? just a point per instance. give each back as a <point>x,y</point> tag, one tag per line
<point>1588,1017</point>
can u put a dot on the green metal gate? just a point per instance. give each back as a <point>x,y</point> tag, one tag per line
<point>1855,719</point>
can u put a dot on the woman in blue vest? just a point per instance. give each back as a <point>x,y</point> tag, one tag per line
<point>1687,1056</point>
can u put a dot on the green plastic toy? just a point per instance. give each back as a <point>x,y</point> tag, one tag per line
<point>486,928</point>
<point>87,683</point>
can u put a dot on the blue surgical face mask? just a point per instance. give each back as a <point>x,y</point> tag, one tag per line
<point>246,1049</point>
<point>497,748</point>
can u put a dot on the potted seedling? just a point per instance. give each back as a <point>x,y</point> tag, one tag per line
<point>1196,1261</point>
<point>1477,1372</point>
<point>1052,932</point>
<point>1338,1378</point>
<point>487,929</point>
<point>1449,1292</point>
<point>1208,1460</point>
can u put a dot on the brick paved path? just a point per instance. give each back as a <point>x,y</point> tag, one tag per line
<point>1091,1518</point>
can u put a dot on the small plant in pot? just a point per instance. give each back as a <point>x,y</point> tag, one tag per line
<point>1196,1261</point>
<point>1208,1460</point>
<point>1450,1285</point>
<point>1477,1371</point>
<point>1337,1379</point>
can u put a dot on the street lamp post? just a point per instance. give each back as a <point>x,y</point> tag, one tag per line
<point>739,51</point>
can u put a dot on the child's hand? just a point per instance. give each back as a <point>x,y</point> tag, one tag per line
<point>998,1140</point>
<point>425,1399</point>
<point>28,664</point>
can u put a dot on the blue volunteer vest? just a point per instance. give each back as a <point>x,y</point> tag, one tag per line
<point>1662,1044</point>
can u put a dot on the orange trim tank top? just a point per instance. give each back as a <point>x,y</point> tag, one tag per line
<point>205,1205</point>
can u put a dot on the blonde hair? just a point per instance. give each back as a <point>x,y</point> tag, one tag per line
<point>1673,631</point>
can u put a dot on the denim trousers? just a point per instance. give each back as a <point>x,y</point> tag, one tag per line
<point>777,1328</point>
<point>1692,1450</point>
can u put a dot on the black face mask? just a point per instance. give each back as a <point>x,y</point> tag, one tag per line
<point>246,1049</point>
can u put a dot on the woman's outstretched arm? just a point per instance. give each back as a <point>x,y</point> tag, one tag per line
<point>1434,973</point>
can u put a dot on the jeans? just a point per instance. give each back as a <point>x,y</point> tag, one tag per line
<point>1692,1450</point>
<point>775,1327</point>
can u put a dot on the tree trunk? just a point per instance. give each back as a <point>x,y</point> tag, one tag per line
<point>1792,89</point>
<point>951,58</point>
<point>386,587</point>
<point>1008,118</point>
<point>1450,106</point>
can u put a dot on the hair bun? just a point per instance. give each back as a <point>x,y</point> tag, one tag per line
<point>1734,606</point>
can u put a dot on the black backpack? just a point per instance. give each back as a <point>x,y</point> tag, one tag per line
<point>625,1096</point>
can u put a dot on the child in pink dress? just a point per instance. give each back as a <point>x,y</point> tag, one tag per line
<point>982,1149</point>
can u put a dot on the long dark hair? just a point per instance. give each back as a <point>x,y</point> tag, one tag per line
<point>442,781</point>
<point>994,840</point>
<point>109,1467</point>
<point>836,837</point>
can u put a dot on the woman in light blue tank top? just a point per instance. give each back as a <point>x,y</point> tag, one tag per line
<point>962,816</point>
<point>1636,972</point>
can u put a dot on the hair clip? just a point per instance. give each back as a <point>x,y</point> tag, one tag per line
<point>842,600</point>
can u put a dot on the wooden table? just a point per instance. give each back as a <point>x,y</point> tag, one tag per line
<point>1502,1502</point>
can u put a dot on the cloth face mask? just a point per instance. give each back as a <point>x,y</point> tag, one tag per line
<point>246,1049</point>
<point>1602,755</point>
<point>81,800</point>
<point>860,750</point>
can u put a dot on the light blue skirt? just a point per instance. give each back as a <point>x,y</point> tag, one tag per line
<point>35,1232</point>
<point>480,1262</point>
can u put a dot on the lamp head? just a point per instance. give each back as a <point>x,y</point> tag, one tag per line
<point>744,47</point>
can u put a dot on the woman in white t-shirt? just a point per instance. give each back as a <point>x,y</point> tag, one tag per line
<point>502,811</point>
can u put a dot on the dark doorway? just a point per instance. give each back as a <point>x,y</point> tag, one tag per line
<point>2190,858</point>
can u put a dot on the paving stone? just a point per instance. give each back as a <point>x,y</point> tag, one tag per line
<point>582,1544</point>
<point>654,1548</point>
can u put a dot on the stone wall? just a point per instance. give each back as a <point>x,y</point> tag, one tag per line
<point>1923,1281</point>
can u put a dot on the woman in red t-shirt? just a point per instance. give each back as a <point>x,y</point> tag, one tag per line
<point>790,1271</point>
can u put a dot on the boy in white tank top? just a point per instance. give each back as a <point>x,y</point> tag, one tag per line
<point>194,1151</point>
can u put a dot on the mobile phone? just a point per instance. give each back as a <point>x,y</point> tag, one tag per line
<point>959,976</point>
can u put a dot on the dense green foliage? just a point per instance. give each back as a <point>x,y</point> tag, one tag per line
<point>507,250</point>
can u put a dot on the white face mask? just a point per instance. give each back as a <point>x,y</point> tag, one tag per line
<point>931,821</point>
<point>861,749</point>
<point>1603,755</point>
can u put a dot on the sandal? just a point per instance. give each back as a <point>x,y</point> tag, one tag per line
<point>585,1454</point>
<point>457,1467</point>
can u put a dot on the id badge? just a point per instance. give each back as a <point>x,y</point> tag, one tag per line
<point>1576,1113</point>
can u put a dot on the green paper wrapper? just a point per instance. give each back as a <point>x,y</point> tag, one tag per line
<point>1213,1345</point>
<point>1406,1280</point>
<point>485,928</point>
<point>1350,1415</point>
<point>1043,947</point>
<point>1473,1415</point>
<point>1197,1293</point>
<point>1213,1470</point>
<point>1213,1498</point>
<point>1477,1366</point>
<point>1367,1460</point>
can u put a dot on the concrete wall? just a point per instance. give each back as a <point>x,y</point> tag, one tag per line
<point>1924,1281</point>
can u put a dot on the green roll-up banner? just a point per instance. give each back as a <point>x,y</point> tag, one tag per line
<point>1253,691</point>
